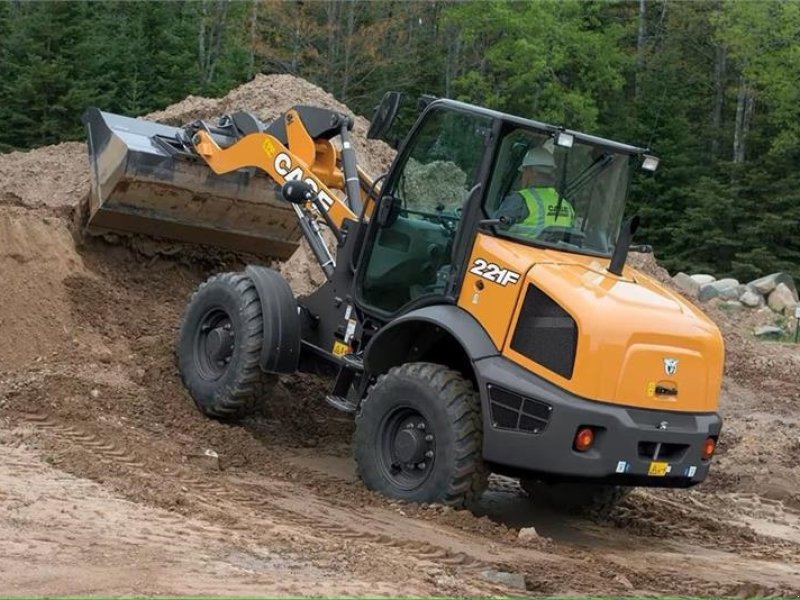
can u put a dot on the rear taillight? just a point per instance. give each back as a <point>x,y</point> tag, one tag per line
<point>584,439</point>
<point>709,446</point>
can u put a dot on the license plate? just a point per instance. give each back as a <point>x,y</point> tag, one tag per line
<point>658,468</point>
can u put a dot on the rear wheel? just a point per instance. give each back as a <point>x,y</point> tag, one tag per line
<point>219,347</point>
<point>575,498</point>
<point>419,436</point>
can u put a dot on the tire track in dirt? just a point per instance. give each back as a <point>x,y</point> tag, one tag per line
<point>219,495</point>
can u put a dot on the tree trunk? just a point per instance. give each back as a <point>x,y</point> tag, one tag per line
<point>745,105</point>
<point>640,48</point>
<point>332,11</point>
<point>348,47</point>
<point>201,40</point>
<point>251,67</point>
<point>719,97</point>
<point>451,63</point>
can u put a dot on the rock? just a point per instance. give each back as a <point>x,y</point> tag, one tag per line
<point>728,288</point>
<point>782,300</point>
<point>751,298</point>
<point>765,285</point>
<point>768,331</point>
<point>208,459</point>
<point>732,304</point>
<point>623,581</point>
<point>513,580</point>
<point>686,284</point>
<point>528,534</point>
<point>703,279</point>
<point>707,292</point>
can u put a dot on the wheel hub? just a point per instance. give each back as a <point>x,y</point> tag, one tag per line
<point>407,448</point>
<point>409,445</point>
<point>214,342</point>
<point>219,344</point>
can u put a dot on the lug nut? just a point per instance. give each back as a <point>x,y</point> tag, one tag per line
<point>429,454</point>
<point>421,466</point>
<point>421,426</point>
<point>429,438</point>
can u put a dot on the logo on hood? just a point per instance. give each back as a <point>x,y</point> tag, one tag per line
<point>670,366</point>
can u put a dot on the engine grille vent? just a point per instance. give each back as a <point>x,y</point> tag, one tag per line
<point>512,411</point>
<point>546,333</point>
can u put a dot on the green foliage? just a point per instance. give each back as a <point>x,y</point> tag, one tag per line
<point>560,62</point>
<point>130,57</point>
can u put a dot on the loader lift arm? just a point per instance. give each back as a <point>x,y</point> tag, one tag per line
<point>219,184</point>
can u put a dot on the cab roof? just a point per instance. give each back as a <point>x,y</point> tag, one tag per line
<point>585,138</point>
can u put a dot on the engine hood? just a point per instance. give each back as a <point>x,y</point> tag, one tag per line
<point>638,343</point>
<point>634,342</point>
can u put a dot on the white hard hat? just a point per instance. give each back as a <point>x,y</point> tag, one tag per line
<point>538,157</point>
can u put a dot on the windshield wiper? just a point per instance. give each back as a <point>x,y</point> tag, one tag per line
<point>600,164</point>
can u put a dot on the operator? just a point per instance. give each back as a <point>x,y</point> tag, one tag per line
<point>534,206</point>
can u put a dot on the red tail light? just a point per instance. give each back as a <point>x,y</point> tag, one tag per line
<point>709,447</point>
<point>583,439</point>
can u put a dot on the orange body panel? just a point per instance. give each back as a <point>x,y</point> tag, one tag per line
<point>627,327</point>
<point>265,152</point>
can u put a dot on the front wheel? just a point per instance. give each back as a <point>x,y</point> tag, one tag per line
<point>219,347</point>
<point>575,498</point>
<point>419,436</point>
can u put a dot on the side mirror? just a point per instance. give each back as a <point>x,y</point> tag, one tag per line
<point>384,116</point>
<point>297,192</point>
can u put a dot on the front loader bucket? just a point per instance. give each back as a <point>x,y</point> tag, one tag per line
<point>142,185</point>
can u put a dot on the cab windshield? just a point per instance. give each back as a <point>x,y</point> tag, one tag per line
<point>567,198</point>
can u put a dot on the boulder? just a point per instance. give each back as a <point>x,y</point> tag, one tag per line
<point>768,331</point>
<point>724,289</point>
<point>707,292</point>
<point>782,300</point>
<point>728,288</point>
<point>686,284</point>
<point>751,298</point>
<point>528,534</point>
<point>765,285</point>
<point>512,580</point>
<point>702,278</point>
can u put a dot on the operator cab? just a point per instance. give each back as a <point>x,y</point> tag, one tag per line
<point>457,172</point>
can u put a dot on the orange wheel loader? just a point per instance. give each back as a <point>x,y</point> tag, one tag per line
<point>474,322</point>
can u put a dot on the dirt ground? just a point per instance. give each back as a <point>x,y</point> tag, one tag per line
<point>105,487</point>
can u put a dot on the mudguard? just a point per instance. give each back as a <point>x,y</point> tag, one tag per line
<point>280,352</point>
<point>390,345</point>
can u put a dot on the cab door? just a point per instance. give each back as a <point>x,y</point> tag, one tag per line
<point>410,254</point>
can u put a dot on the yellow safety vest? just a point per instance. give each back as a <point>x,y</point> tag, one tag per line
<point>542,204</point>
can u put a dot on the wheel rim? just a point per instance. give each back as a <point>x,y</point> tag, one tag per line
<point>214,342</point>
<point>407,448</point>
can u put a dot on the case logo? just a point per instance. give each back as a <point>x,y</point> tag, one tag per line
<point>670,366</point>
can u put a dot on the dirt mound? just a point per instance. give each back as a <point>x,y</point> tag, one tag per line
<point>52,177</point>
<point>268,96</point>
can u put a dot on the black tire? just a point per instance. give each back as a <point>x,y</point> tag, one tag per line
<point>219,347</point>
<point>388,426</point>
<point>575,498</point>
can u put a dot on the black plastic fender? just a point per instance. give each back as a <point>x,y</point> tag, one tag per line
<point>280,352</point>
<point>390,346</point>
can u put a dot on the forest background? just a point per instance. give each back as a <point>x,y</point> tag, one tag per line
<point>713,87</point>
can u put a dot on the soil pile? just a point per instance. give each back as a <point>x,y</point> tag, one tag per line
<point>268,96</point>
